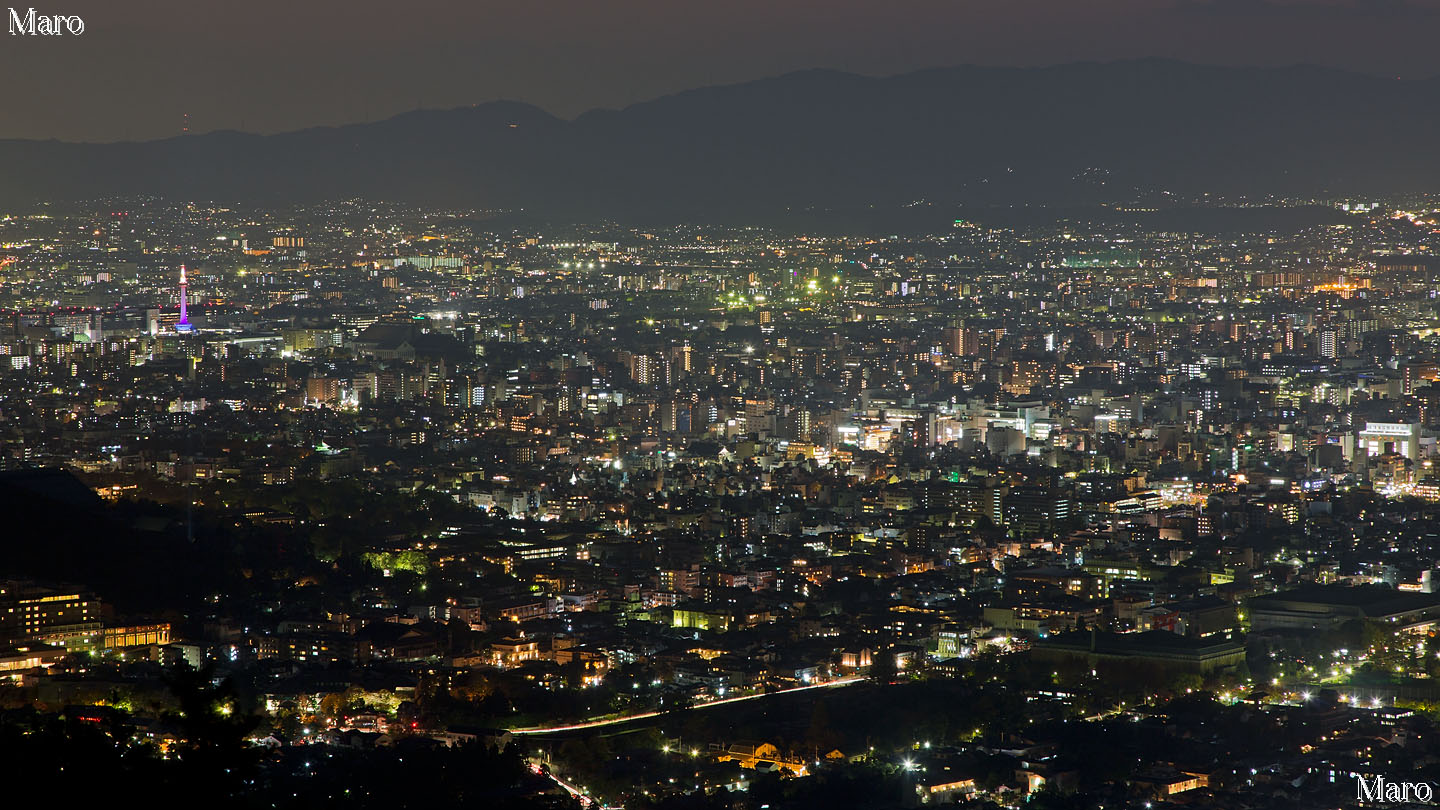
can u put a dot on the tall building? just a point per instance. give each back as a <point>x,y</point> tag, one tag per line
<point>1417,373</point>
<point>644,369</point>
<point>183,326</point>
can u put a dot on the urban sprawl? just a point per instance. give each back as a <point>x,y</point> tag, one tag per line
<point>364,503</point>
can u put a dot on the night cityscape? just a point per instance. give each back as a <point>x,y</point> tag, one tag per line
<point>1056,435</point>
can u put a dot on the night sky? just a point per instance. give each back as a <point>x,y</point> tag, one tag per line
<point>269,66</point>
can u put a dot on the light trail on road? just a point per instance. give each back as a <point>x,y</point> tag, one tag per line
<point>853,679</point>
<point>586,800</point>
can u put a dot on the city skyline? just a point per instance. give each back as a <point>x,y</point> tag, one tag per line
<point>425,505</point>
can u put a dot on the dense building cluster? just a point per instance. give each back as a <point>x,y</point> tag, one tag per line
<point>1104,509</point>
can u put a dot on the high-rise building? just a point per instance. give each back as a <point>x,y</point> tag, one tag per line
<point>183,326</point>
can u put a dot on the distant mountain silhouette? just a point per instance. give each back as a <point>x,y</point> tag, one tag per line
<point>1068,134</point>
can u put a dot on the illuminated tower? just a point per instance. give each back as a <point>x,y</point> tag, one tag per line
<point>183,325</point>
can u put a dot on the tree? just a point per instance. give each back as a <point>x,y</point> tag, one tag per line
<point>214,726</point>
<point>882,666</point>
<point>1184,682</point>
<point>333,705</point>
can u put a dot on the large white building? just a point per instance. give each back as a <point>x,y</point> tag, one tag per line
<point>1377,438</point>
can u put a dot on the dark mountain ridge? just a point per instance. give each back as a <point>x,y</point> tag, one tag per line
<point>1069,134</point>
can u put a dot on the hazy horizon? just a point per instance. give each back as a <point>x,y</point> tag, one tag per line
<point>139,69</point>
<point>399,113</point>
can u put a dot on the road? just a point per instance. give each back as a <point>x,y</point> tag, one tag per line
<point>586,800</point>
<point>536,730</point>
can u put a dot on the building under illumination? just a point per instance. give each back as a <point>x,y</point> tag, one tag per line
<point>62,617</point>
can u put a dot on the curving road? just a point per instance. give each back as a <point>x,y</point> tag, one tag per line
<point>534,730</point>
